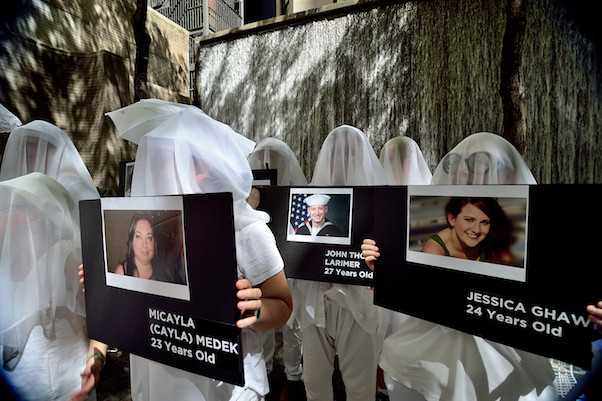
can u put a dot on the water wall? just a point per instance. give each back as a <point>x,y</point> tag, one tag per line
<point>425,69</point>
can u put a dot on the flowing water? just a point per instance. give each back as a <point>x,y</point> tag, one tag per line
<point>425,69</point>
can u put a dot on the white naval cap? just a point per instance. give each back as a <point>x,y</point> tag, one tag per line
<point>317,200</point>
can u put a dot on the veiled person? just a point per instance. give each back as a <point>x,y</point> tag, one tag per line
<point>340,319</point>
<point>272,153</point>
<point>192,153</point>
<point>43,336</point>
<point>426,361</point>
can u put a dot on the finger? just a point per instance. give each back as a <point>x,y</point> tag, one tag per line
<point>249,293</point>
<point>596,319</point>
<point>251,305</point>
<point>242,284</point>
<point>246,322</point>
<point>369,241</point>
<point>79,396</point>
<point>594,311</point>
<point>370,250</point>
<point>83,393</point>
<point>370,254</point>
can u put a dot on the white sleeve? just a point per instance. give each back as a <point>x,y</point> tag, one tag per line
<point>257,256</point>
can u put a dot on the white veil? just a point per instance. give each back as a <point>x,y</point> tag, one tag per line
<point>192,153</point>
<point>41,147</point>
<point>499,366</point>
<point>347,158</point>
<point>483,158</point>
<point>8,121</point>
<point>272,153</point>
<point>404,163</point>
<point>39,256</point>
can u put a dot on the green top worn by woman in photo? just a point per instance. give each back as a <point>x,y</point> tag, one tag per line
<point>435,237</point>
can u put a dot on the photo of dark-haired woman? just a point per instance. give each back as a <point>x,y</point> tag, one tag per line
<point>478,229</point>
<point>140,260</point>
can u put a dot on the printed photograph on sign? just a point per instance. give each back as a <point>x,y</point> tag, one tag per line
<point>480,230</point>
<point>144,247</point>
<point>320,215</point>
<point>262,179</point>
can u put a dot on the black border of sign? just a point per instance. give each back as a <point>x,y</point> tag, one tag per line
<point>307,260</point>
<point>121,318</point>
<point>123,177</point>
<point>262,175</point>
<point>561,278</point>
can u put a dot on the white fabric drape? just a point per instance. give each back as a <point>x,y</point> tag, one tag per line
<point>346,159</point>
<point>39,256</point>
<point>446,364</point>
<point>192,153</point>
<point>272,153</point>
<point>483,158</point>
<point>8,121</point>
<point>404,163</point>
<point>42,147</point>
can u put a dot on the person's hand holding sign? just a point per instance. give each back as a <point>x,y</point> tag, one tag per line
<point>370,252</point>
<point>250,304</point>
<point>265,306</point>
<point>595,315</point>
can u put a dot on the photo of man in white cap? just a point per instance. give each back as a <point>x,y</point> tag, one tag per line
<point>318,224</point>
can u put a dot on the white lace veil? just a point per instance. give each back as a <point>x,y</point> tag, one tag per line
<point>483,158</point>
<point>39,256</point>
<point>404,163</point>
<point>192,153</point>
<point>347,158</point>
<point>272,153</point>
<point>42,147</point>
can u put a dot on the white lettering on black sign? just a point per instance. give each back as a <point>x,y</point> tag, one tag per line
<point>512,312</point>
<point>177,334</point>
<point>345,264</point>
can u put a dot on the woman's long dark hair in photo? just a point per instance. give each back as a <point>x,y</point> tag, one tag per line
<point>159,269</point>
<point>496,246</point>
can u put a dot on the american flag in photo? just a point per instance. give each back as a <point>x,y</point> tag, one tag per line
<point>299,215</point>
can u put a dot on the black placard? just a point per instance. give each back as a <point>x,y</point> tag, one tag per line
<point>188,323</point>
<point>537,305</point>
<point>332,258</point>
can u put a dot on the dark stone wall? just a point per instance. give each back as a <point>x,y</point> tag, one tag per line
<point>70,62</point>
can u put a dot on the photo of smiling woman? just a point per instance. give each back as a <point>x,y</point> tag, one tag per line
<point>140,260</point>
<point>478,229</point>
